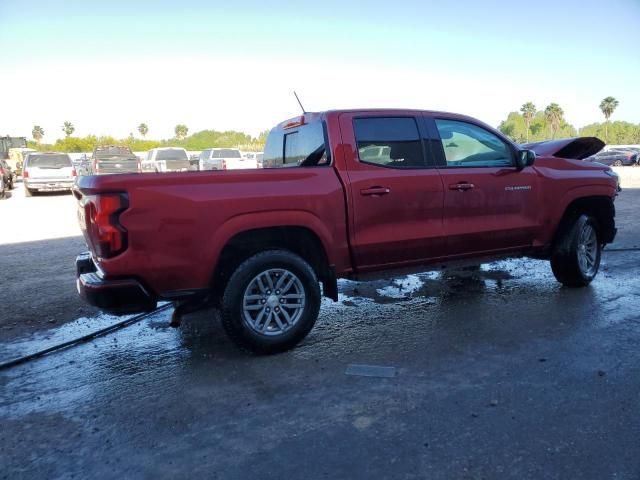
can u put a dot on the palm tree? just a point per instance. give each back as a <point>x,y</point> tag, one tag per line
<point>37,133</point>
<point>608,105</point>
<point>143,129</point>
<point>181,131</point>
<point>528,111</point>
<point>554,115</point>
<point>68,128</point>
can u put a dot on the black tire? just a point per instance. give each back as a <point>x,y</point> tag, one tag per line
<point>2,189</point>
<point>565,262</point>
<point>233,314</point>
<point>28,192</point>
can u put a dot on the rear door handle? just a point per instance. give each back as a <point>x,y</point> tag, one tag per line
<point>462,186</point>
<point>375,191</point>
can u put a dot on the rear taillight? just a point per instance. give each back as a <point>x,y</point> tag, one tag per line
<point>224,164</point>
<point>1,171</point>
<point>102,220</point>
<point>25,174</point>
<point>73,172</point>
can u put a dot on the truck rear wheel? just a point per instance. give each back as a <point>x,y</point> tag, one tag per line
<point>576,256</point>
<point>271,302</point>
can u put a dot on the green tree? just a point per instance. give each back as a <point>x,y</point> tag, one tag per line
<point>68,128</point>
<point>37,133</point>
<point>554,115</point>
<point>181,131</point>
<point>143,129</point>
<point>608,105</point>
<point>528,111</point>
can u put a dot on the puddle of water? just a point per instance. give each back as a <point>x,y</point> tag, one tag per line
<point>43,340</point>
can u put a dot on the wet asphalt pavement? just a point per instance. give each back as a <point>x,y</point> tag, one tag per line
<point>500,373</point>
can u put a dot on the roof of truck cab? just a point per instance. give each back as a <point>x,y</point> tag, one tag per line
<point>314,116</point>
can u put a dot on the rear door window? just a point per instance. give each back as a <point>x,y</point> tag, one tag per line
<point>392,142</point>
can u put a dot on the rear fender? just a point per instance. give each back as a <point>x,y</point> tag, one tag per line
<point>252,221</point>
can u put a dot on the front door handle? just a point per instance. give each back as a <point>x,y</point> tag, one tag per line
<point>375,191</point>
<point>462,186</point>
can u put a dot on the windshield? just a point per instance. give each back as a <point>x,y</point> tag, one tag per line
<point>172,154</point>
<point>49,161</point>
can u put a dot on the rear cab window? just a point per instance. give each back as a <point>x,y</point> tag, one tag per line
<point>112,150</point>
<point>300,146</point>
<point>172,154</point>
<point>226,153</point>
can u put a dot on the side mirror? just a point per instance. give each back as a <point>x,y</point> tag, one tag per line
<point>525,158</point>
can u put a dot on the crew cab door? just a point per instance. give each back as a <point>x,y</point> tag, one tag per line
<point>394,193</point>
<point>489,205</point>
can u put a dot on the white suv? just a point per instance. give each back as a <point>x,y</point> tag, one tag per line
<point>225,159</point>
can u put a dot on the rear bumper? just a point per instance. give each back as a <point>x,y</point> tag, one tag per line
<point>49,185</point>
<point>120,296</point>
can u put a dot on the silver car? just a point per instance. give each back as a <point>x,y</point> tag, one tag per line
<point>47,172</point>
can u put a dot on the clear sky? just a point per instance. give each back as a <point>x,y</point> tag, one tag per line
<point>107,66</point>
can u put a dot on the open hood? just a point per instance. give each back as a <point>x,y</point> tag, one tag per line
<point>575,148</point>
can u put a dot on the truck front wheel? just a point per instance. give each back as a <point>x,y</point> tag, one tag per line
<point>271,302</point>
<point>576,256</point>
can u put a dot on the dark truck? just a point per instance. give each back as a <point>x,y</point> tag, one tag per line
<point>344,194</point>
<point>7,143</point>
<point>109,159</point>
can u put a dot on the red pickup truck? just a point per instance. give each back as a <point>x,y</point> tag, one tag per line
<point>351,193</point>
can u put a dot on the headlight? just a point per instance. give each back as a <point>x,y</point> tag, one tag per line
<point>613,174</point>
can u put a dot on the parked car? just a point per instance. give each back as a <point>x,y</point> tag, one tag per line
<point>168,159</point>
<point>617,158</point>
<point>633,150</point>
<point>16,158</point>
<point>109,159</point>
<point>82,164</point>
<point>444,188</point>
<point>7,178</point>
<point>225,159</point>
<point>8,174</point>
<point>47,172</point>
<point>257,156</point>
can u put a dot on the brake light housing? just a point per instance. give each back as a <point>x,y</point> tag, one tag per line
<point>100,220</point>
<point>25,174</point>
<point>294,122</point>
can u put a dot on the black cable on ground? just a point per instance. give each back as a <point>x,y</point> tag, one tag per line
<point>85,338</point>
